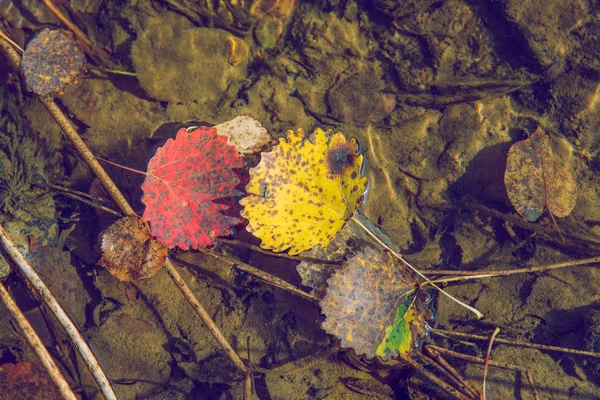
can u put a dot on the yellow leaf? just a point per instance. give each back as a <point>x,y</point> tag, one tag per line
<point>304,190</point>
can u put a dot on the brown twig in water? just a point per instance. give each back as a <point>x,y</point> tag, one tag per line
<point>44,293</point>
<point>124,205</point>
<point>9,40</point>
<point>262,275</point>
<point>280,255</point>
<point>516,343</point>
<point>453,372</point>
<point>36,343</point>
<point>80,196</point>
<point>434,378</point>
<point>477,360</point>
<point>90,48</point>
<point>487,361</point>
<point>507,272</point>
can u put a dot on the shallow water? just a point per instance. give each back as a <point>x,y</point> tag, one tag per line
<point>435,93</point>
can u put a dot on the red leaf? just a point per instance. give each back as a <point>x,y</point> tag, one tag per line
<point>184,179</point>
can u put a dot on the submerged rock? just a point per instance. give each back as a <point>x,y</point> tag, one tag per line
<point>189,64</point>
<point>359,100</point>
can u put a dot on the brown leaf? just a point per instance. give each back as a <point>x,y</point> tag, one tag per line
<point>51,62</point>
<point>363,299</point>
<point>535,179</point>
<point>129,251</point>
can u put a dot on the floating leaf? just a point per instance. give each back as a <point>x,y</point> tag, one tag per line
<point>129,251</point>
<point>245,133</point>
<point>370,306</point>
<point>26,381</point>
<point>536,179</point>
<point>185,179</point>
<point>303,192</point>
<point>51,62</point>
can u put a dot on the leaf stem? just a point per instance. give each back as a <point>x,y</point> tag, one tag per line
<point>137,171</point>
<point>416,271</point>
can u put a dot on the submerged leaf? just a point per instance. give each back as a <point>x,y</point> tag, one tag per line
<point>370,306</point>
<point>129,251</point>
<point>303,192</point>
<point>51,62</point>
<point>188,182</point>
<point>536,179</point>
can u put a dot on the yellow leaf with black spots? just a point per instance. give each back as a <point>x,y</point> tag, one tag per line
<point>304,190</point>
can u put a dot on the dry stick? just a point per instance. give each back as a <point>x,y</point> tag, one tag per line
<point>444,332</point>
<point>80,196</point>
<point>432,377</point>
<point>35,342</point>
<point>122,203</point>
<point>260,274</point>
<point>281,255</point>
<point>454,378</point>
<point>34,280</point>
<point>92,49</point>
<point>510,367</point>
<point>487,361</point>
<point>507,272</point>
<point>9,40</point>
<point>416,271</point>
<point>214,330</point>
<point>455,374</point>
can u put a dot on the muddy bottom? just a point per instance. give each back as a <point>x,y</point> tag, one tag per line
<point>435,94</point>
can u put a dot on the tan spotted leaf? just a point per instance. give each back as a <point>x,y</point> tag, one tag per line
<point>536,179</point>
<point>245,133</point>
<point>371,306</point>
<point>129,251</point>
<point>304,190</point>
<point>51,62</point>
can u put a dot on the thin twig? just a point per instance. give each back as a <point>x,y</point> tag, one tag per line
<point>432,377</point>
<point>281,255</point>
<point>447,333</point>
<point>442,361</point>
<point>416,271</point>
<point>204,316</point>
<point>487,361</point>
<point>456,378</point>
<point>92,50</point>
<point>9,40</point>
<point>517,343</point>
<point>260,274</point>
<point>506,272</point>
<point>44,293</point>
<point>122,203</point>
<point>477,360</point>
<point>80,196</point>
<point>36,343</point>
